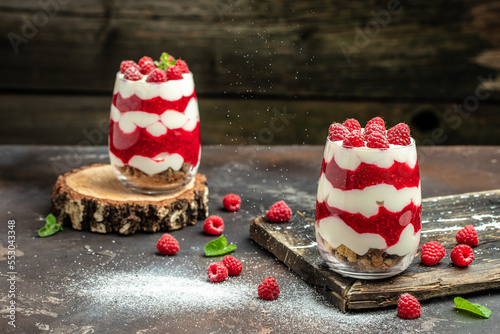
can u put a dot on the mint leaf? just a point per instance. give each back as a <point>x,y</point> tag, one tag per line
<point>51,227</point>
<point>477,309</point>
<point>165,61</point>
<point>218,247</point>
<point>51,220</point>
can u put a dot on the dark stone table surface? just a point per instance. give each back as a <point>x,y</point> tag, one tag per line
<point>82,282</point>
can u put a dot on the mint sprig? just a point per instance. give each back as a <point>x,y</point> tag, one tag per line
<point>165,61</point>
<point>51,227</point>
<point>218,247</point>
<point>477,309</point>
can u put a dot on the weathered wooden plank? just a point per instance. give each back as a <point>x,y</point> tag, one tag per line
<point>80,119</point>
<point>443,49</point>
<point>294,244</point>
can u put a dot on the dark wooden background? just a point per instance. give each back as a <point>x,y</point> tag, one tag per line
<point>258,65</point>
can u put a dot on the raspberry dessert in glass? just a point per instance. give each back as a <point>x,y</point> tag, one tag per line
<point>368,206</point>
<point>154,135</point>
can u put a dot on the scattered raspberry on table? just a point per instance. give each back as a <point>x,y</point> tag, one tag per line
<point>408,307</point>
<point>279,212</point>
<point>268,289</point>
<point>213,225</point>
<point>217,272</point>
<point>231,202</point>
<point>232,264</point>
<point>462,255</point>
<point>432,253</point>
<point>167,245</point>
<point>467,236</point>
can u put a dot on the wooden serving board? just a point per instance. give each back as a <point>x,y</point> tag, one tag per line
<point>92,198</point>
<point>294,244</point>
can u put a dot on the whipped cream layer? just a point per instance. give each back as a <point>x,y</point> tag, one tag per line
<point>370,198</point>
<point>170,90</point>
<point>155,124</point>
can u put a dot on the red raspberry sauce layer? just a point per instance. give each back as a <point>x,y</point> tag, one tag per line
<point>141,142</point>
<point>156,105</point>
<point>399,175</point>
<point>388,225</point>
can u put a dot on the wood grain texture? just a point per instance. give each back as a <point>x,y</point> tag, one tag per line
<point>421,50</point>
<point>83,120</point>
<point>91,198</point>
<point>294,244</point>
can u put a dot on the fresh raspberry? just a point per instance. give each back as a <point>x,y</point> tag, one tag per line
<point>431,253</point>
<point>217,272</point>
<point>132,74</point>
<point>147,67</point>
<point>279,212</point>
<point>232,264</point>
<point>408,307</point>
<point>181,64</point>
<point>174,73</point>
<point>268,289</point>
<point>213,225</point>
<point>337,132</point>
<point>144,59</point>
<point>126,64</point>
<point>369,129</point>
<point>462,255</point>
<point>467,236</point>
<point>231,202</point>
<point>167,245</point>
<point>399,135</point>
<point>354,139</point>
<point>352,125</point>
<point>377,140</point>
<point>157,75</point>
<point>376,120</point>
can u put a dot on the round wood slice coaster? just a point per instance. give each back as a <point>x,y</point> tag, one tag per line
<point>92,198</point>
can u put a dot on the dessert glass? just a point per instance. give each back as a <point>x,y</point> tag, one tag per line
<point>368,209</point>
<point>154,135</point>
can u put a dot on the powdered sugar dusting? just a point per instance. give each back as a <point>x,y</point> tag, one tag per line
<point>171,291</point>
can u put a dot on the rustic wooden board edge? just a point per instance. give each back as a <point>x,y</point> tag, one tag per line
<point>359,295</point>
<point>76,208</point>
<point>314,275</point>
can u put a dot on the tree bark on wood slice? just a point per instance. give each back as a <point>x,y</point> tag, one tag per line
<point>92,198</point>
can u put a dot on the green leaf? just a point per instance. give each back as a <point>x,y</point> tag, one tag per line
<point>218,247</point>
<point>477,309</point>
<point>165,61</point>
<point>51,220</point>
<point>51,227</point>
